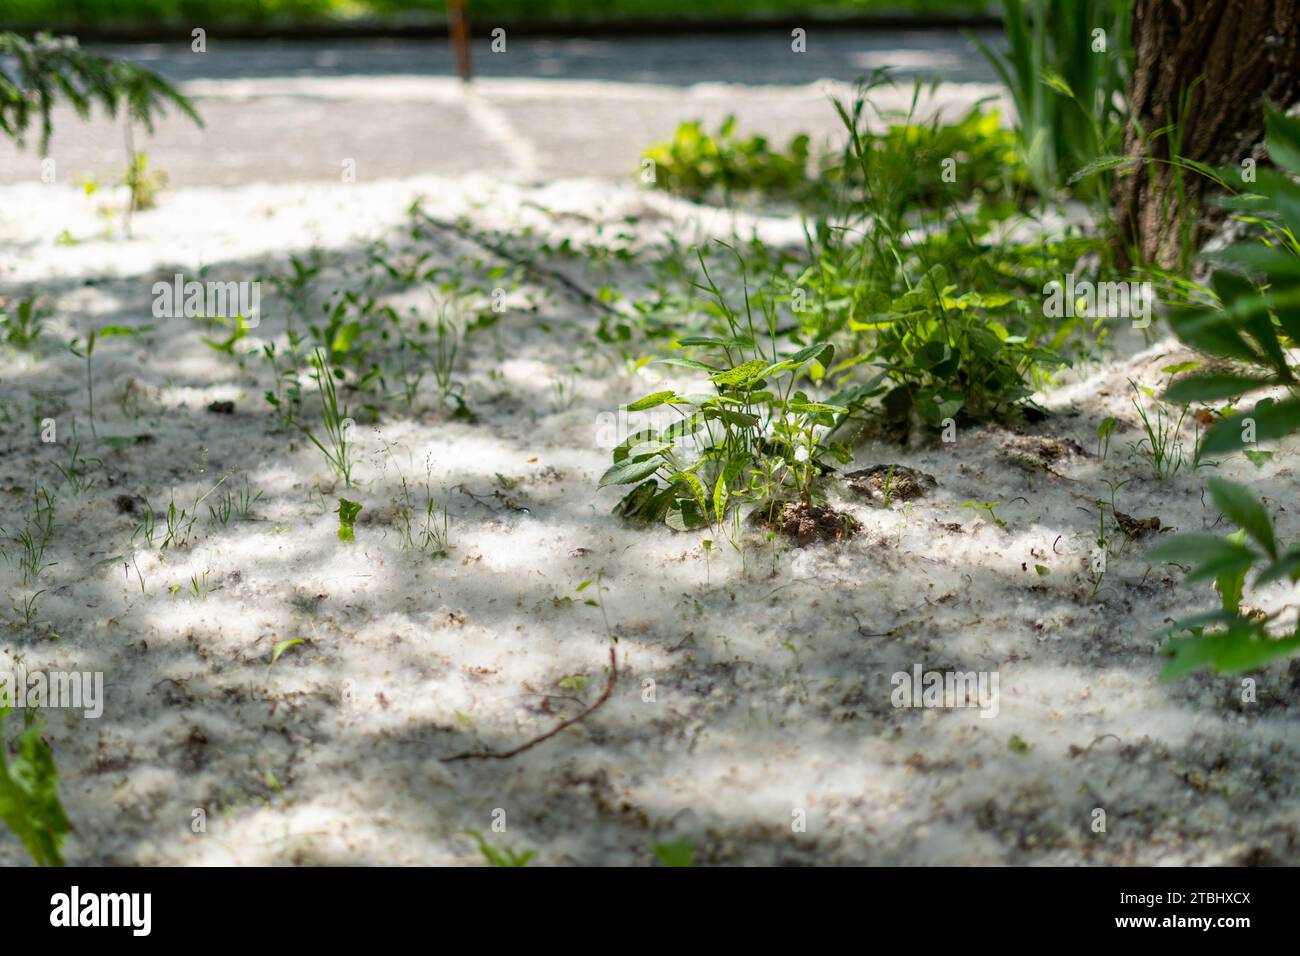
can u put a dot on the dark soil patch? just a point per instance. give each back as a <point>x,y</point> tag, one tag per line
<point>806,524</point>
<point>1136,527</point>
<point>1047,450</point>
<point>891,482</point>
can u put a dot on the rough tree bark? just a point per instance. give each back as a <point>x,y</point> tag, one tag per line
<point>1244,52</point>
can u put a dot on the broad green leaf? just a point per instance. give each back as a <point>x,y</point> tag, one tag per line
<point>29,795</point>
<point>709,341</point>
<point>720,495</point>
<point>1197,623</point>
<point>652,401</point>
<point>1231,583</point>
<point>1245,511</point>
<point>735,419</point>
<point>742,374</point>
<point>346,337</point>
<point>1213,387</point>
<point>1210,555</point>
<point>805,408</point>
<point>1287,566</point>
<point>1242,647</point>
<point>697,489</point>
<point>1283,136</point>
<point>687,426</point>
<point>647,448</point>
<point>1273,420</point>
<point>646,503</point>
<point>636,438</point>
<point>686,363</point>
<point>1258,257</point>
<point>629,470</point>
<point>823,352</point>
<point>684,514</point>
<point>1212,331</point>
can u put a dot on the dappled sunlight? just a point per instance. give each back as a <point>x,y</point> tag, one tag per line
<point>335,557</point>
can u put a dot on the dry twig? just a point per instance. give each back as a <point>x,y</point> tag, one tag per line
<point>489,755</point>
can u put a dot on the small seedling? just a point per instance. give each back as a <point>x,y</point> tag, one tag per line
<point>148,526</point>
<point>273,782</point>
<point>28,611</point>
<point>599,600</point>
<point>22,329</point>
<point>199,586</point>
<point>1162,447</point>
<point>1096,570</point>
<point>35,538</point>
<point>1104,431</point>
<point>435,536</point>
<point>87,352</point>
<point>502,857</point>
<point>244,501</point>
<point>281,647</point>
<point>219,514</point>
<point>239,329</point>
<point>296,287</point>
<point>75,472</point>
<point>234,504</point>
<point>347,512</point>
<point>675,853</point>
<point>988,506</point>
<point>337,446</point>
<point>143,183</point>
<point>446,347</point>
<point>180,524</point>
<point>286,398</point>
<point>887,488</point>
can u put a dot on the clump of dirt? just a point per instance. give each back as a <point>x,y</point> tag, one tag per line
<point>807,524</point>
<point>1047,450</point>
<point>1136,527</point>
<point>891,482</point>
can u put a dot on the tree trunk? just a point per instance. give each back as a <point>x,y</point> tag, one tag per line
<point>1207,65</point>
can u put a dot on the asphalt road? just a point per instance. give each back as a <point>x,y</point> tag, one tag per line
<point>543,109</point>
<point>752,59</point>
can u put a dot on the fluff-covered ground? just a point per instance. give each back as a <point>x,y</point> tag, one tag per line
<point>752,713</point>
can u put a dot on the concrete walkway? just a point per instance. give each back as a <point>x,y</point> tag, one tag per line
<point>544,109</point>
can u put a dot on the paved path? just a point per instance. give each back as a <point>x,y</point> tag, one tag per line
<point>753,59</point>
<point>544,109</point>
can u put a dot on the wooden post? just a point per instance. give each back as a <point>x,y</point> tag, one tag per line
<point>459,25</point>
